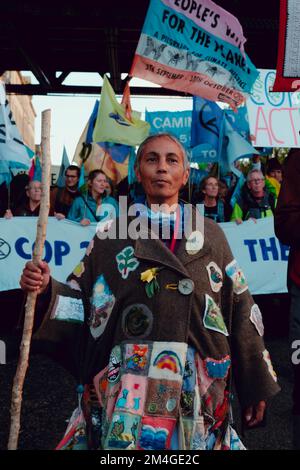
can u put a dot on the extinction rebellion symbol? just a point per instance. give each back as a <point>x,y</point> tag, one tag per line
<point>4,249</point>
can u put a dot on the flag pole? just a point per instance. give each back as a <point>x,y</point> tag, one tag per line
<point>220,146</point>
<point>16,399</point>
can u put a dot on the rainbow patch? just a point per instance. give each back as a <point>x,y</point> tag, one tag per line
<point>168,360</point>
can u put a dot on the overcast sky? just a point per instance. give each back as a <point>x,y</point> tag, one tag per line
<point>69,114</point>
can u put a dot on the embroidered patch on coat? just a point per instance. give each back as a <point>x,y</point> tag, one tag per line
<point>102,304</point>
<point>137,320</point>
<point>127,262</point>
<point>267,359</point>
<point>194,243</point>
<point>132,394</point>
<point>215,276</point>
<point>162,397</point>
<point>256,318</point>
<point>156,433</point>
<point>167,360</point>
<point>213,318</point>
<point>123,431</point>
<point>136,358</point>
<point>217,369</point>
<point>79,270</point>
<point>67,309</point>
<point>114,365</point>
<point>237,276</point>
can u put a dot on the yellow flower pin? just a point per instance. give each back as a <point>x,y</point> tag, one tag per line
<point>149,275</point>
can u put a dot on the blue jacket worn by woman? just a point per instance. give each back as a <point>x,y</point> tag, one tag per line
<point>85,207</point>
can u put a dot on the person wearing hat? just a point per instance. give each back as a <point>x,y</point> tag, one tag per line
<point>163,322</point>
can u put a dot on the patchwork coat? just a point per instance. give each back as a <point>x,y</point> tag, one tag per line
<point>159,365</point>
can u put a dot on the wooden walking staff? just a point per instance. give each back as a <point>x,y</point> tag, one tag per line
<point>16,399</point>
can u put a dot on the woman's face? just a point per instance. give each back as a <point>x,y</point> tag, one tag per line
<point>99,184</point>
<point>211,187</point>
<point>161,171</point>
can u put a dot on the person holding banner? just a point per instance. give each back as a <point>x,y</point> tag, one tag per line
<point>61,198</point>
<point>215,208</point>
<point>31,206</point>
<point>95,205</point>
<point>255,200</point>
<point>287,230</point>
<point>163,322</point>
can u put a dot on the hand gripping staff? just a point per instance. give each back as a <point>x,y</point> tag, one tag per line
<point>16,399</point>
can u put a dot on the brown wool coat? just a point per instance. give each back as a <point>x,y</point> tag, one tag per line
<point>176,317</point>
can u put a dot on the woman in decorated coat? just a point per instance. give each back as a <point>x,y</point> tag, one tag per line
<point>163,321</point>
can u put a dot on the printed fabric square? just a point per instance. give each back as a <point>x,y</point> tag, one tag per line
<point>187,403</point>
<point>123,431</point>
<point>168,360</point>
<point>132,394</point>
<point>136,358</point>
<point>156,433</point>
<point>163,397</point>
<point>237,276</point>
<point>68,309</point>
<point>189,374</point>
<point>102,304</point>
<point>75,437</point>
<point>213,318</point>
<point>204,382</point>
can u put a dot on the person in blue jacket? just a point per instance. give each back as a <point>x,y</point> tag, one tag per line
<point>95,206</point>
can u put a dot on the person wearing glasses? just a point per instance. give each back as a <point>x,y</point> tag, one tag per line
<point>61,199</point>
<point>255,201</point>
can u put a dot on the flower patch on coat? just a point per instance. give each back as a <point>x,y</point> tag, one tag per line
<point>136,358</point>
<point>126,261</point>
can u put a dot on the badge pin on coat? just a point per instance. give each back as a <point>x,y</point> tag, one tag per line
<point>194,243</point>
